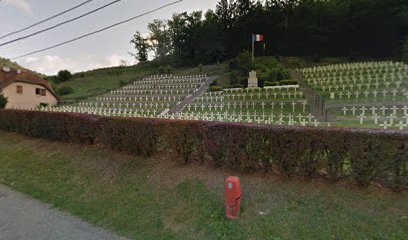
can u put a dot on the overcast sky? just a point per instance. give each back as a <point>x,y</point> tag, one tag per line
<point>101,50</point>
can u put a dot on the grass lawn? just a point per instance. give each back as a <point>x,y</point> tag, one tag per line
<point>159,198</point>
<point>96,82</point>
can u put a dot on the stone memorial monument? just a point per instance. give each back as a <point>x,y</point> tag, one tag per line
<point>252,80</point>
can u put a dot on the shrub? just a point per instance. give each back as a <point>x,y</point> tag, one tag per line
<point>64,75</point>
<point>3,101</point>
<point>122,83</point>
<point>268,83</point>
<point>216,88</point>
<point>65,91</point>
<point>200,68</point>
<point>405,51</point>
<point>288,82</point>
<point>165,70</point>
<point>362,155</point>
<point>237,85</point>
<point>242,64</point>
<point>67,127</point>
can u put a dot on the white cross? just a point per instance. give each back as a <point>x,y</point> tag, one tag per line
<point>362,117</point>
<point>344,110</point>
<point>400,125</point>
<point>385,125</point>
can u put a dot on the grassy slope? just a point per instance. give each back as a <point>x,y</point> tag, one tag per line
<point>161,199</point>
<point>96,82</point>
<point>9,63</point>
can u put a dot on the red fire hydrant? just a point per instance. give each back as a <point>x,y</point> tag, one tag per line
<point>233,196</point>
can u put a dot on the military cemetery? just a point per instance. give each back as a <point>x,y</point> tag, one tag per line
<point>223,119</point>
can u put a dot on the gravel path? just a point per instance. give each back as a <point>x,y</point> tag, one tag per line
<point>24,218</point>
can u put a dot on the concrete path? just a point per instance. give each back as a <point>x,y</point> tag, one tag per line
<point>203,89</point>
<point>22,218</point>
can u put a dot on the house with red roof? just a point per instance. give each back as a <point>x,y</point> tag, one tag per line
<point>25,89</point>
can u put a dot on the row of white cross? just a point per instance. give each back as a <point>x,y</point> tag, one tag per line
<point>170,76</point>
<point>153,92</point>
<point>359,94</point>
<point>373,110</point>
<point>152,86</point>
<point>355,76</point>
<point>279,119</point>
<point>258,96</point>
<point>167,82</point>
<point>359,86</point>
<point>349,67</point>
<point>150,104</point>
<point>149,98</point>
<point>294,106</point>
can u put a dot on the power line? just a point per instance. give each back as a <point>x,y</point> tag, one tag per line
<point>47,19</point>
<point>100,30</point>
<point>59,24</point>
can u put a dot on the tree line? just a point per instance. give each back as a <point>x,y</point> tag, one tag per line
<point>319,28</point>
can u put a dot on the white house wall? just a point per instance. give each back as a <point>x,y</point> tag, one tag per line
<point>29,98</point>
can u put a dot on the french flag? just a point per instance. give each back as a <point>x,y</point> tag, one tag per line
<point>257,37</point>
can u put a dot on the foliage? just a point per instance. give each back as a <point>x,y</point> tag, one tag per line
<point>405,52</point>
<point>288,82</point>
<point>3,101</point>
<point>216,88</point>
<point>362,155</point>
<point>363,29</point>
<point>65,91</point>
<point>165,69</point>
<point>142,47</point>
<point>64,75</point>
<point>268,83</point>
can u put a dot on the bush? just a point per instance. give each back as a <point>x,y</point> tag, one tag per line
<point>216,88</point>
<point>268,83</point>
<point>3,101</point>
<point>405,52</point>
<point>288,82</point>
<point>122,83</point>
<point>362,155</point>
<point>237,85</point>
<point>200,68</point>
<point>165,70</point>
<point>64,76</point>
<point>67,127</point>
<point>242,64</point>
<point>65,91</point>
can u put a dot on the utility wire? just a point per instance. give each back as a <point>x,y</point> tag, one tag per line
<point>100,30</point>
<point>59,24</point>
<point>47,19</point>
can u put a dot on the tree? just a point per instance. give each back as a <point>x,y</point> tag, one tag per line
<point>160,38</point>
<point>405,52</point>
<point>3,101</point>
<point>64,75</point>
<point>142,47</point>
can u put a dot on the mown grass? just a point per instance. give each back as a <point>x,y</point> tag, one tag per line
<point>96,82</point>
<point>159,198</point>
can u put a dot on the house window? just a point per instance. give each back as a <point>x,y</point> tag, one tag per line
<point>40,91</point>
<point>19,89</point>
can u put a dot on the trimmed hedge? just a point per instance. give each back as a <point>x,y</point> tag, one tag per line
<point>336,153</point>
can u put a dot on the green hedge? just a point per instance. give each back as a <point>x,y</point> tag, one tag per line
<point>336,153</point>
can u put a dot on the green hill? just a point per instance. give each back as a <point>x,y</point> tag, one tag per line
<point>96,82</point>
<point>9,63</point>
